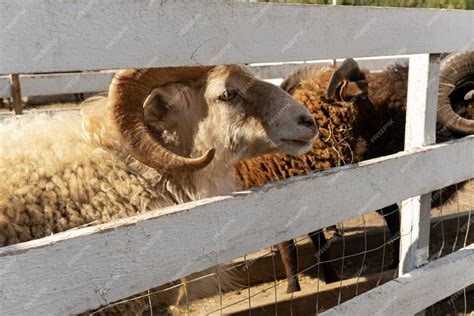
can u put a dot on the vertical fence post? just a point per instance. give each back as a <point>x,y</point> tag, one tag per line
<point>420,130</point>
<point>16,93</point>
<point>334,2</point>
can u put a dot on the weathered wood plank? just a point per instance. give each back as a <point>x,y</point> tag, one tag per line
<point>42,36</point>
<point>262,268</point>
<point>72,271</point>
<point>422,100</point>
<point>416,290</point>
<point>283,69</point>
<point>16,93</point>
<point>51,84</point>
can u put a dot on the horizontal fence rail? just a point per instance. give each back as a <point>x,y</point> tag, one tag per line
<point>86,82</point>
<point>52,84</point>
<point>71,272</point>
<point>45,36</point>
<point>414,291</point>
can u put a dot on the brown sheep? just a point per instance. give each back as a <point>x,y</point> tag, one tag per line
<point>341,142</point>
<point>371,125</point>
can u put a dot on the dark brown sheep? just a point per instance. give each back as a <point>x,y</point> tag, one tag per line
<point>365,119</point>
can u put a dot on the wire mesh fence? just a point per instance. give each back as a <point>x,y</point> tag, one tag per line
<point>330,267</point>
<point>360,251</point>
<point>306,275</point>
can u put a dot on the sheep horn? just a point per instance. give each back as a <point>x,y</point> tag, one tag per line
<point>455,69</point>
<point>127,93</point>
<point>348,70</point>
<point>469,96</point>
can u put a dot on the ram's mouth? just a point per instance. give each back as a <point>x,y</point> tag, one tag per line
<point>297,147</point>
<point>297,142</point>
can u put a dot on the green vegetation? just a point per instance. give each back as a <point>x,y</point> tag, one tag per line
<point>449,4</point>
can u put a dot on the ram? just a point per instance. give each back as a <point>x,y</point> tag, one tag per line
<point>361,115</point>
<point>162,137</point>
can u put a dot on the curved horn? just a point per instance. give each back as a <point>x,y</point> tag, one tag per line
<point>455,69</point>
<point>348,70</point>
<point>469,96</point>
<point>127,93</point>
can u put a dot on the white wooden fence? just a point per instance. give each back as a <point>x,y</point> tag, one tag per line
<point>70,272</point>
<point>86,82</point>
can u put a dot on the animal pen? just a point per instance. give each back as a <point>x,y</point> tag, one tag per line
<point>91,267</point>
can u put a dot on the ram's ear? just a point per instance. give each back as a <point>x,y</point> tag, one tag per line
<point>171,98</point>
<point>349,71</point>
<point>170,113</point>
<point>164,105</point>
<point>166,96</point>
<point>349,90</point>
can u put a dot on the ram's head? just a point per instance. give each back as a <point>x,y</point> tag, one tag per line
<point>179,119</point>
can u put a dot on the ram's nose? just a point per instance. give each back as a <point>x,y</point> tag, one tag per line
<point>308,126</point>
<point>307,121</point>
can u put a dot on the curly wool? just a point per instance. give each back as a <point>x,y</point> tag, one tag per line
<point>74,173</point>
<point>349,132</point>
<point>69,174</point>
<point>336,145</point>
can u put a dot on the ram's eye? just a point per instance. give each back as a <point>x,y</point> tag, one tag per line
<point>227,95</point>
